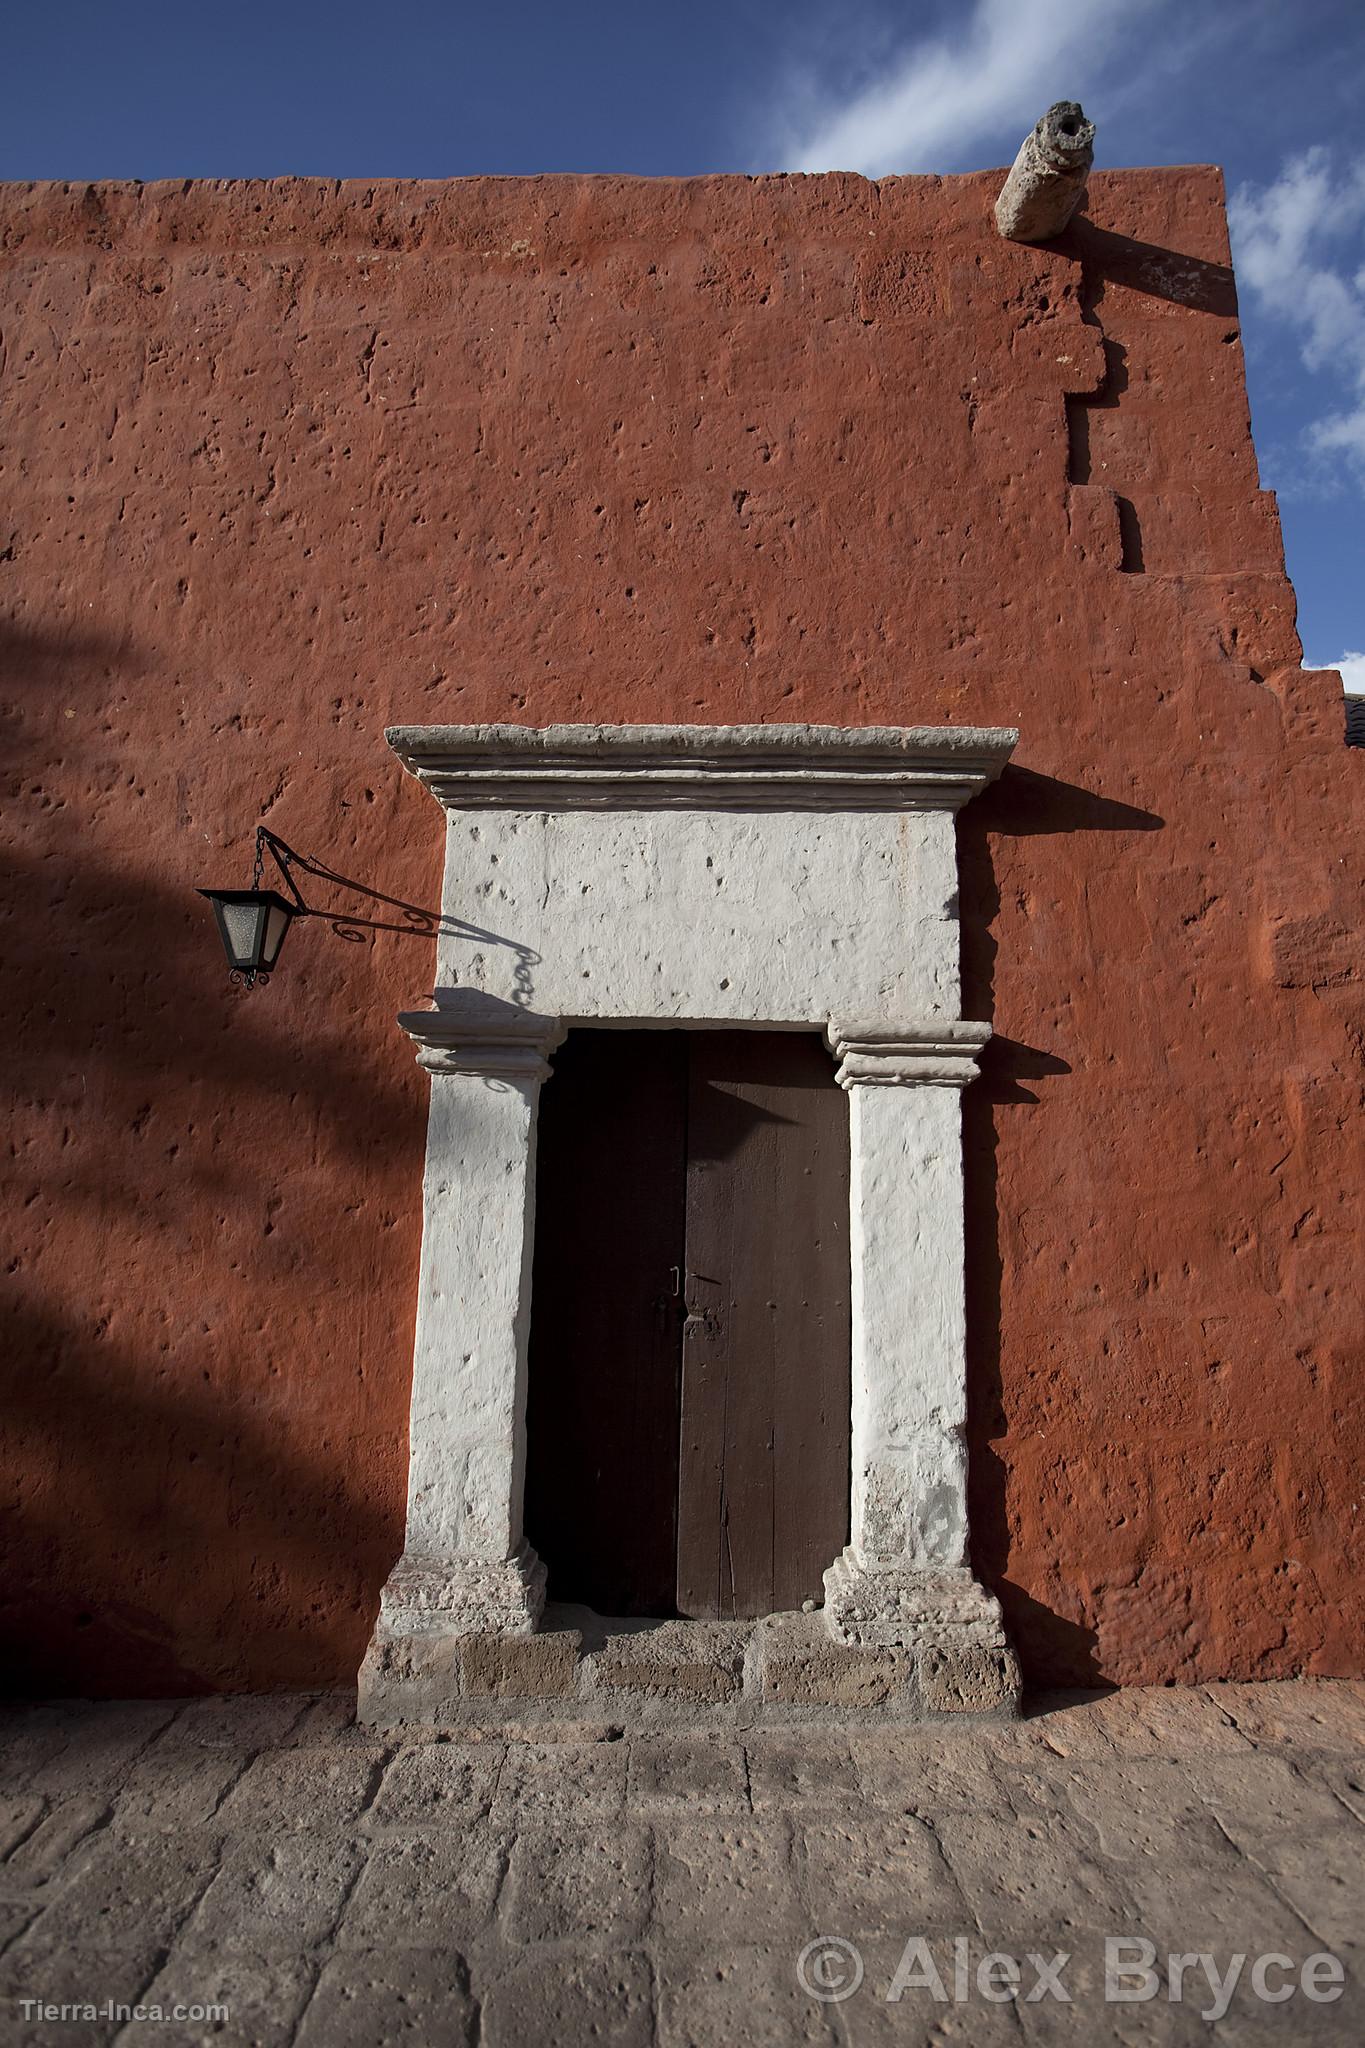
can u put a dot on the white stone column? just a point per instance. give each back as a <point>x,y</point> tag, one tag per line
<point>465,1567</point>
<point>904,1577</point>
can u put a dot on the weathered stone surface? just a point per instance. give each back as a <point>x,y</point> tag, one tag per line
<point>687,1774</point>
<point>714,1876</point>
<point>549,1997</point>
<point>548,1780</point>
<point>677,1661</point>
<point>404,1995</point>
<point>518,1926</point>
<point>263,1996</point>
<point>973,1679</point>
<point>435,1887</point>
<point>587,1885</point>
<point>747,1994</point>
<point>442,1783</point>
<point>521,1667</point>
<point>810,1769</point>
<point>278,1897</point>
<point>800,1665</point>
<point>305,1788</point>
<point>860,1875</point>
<point>178,1788</point>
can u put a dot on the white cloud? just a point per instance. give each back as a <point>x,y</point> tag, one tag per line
<point>1352,667</point>
<point>1296,244</point>
<point>944,100</point>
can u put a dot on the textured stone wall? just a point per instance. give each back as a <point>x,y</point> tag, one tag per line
<point>285,463</point>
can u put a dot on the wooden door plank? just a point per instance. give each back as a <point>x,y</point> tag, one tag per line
<point>763,1503</point>
<point>603,1400</point>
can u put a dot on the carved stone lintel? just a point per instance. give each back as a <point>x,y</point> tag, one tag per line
<point>902,1607</point>
<point>752,767</point>
<point>468,1032</point>
<point>877,1054</point>
<point>462,1596</point>
<point>1048,176</point>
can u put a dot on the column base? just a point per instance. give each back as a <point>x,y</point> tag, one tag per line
<point>462,1596</point>
<point>965,1662</point>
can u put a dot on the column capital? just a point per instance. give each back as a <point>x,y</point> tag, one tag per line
<point>886,1053</point>
<point>467,1032</point>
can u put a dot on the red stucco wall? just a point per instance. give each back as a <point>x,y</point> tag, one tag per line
<point>284,463</point>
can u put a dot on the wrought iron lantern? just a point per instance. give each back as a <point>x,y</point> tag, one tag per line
<point>253,923</point>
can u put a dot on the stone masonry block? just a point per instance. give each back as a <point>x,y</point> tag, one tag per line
<point>521,1667</point>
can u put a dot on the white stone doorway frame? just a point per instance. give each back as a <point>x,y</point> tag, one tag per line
<point>776,876</point>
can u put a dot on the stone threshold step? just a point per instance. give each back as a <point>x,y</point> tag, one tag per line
<point>781,1670</point>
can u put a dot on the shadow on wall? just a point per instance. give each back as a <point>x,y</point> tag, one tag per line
<point>1054,1650</point>
<point>194,1479</point>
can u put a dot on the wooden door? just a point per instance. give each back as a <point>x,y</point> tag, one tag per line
<point>688,1415</point>
<point>764,1464</point>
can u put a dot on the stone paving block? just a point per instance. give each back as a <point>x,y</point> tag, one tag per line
<point>19,1816</point>
<point>440,1783</point>
<point>1221,1905</point>
<point>920,1770</point>
<point>15,1916</point>
<point>1042,1871</point>
<point>1321,1873</point>
<point>1162,1721</point>
<point>743,1995</point>
<point>31,1735</point>
<point>568,2000</point>
<point>545,1780</point>
<point>1342,1777</point>
<point>243,1722</point>
<point>128,1894</point>
<point>72,1976</point>
<point>321,1787</point>
<point>861,1874</point>
<point>917,2019</point>
<point>431,1889</point>
<point>277,1896</point>
<point>47,1851</point>
<point>331,1717</point>
<point>264,1995</point>
<point>102,1739</point>
<point>687,1774</point>
<point>811,1769</point>
<point>367,2000</point>
<point>711,1877</point>
<point>177,1788</point>
<point>570,1884</point>
<point>1314,1715</point>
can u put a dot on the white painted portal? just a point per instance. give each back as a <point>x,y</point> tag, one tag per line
<point>798,876</point>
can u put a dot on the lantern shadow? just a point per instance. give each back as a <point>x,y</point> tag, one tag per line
<point>203,1495</point>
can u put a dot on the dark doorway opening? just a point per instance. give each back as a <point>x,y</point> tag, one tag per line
<point>688,1407</point>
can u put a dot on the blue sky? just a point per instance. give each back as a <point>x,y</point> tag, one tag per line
<point>1270,89</point>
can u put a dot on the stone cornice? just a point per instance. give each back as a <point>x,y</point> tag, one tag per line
<point>703,767</point>
<point>876,1054</point>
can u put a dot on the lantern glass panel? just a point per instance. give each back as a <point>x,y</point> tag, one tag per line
<point>277,917</point>
<point>241,925</point>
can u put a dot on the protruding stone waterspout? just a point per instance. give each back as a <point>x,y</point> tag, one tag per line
<point>1045,186</point>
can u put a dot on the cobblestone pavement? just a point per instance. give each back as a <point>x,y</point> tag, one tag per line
<point>332,1886</point>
